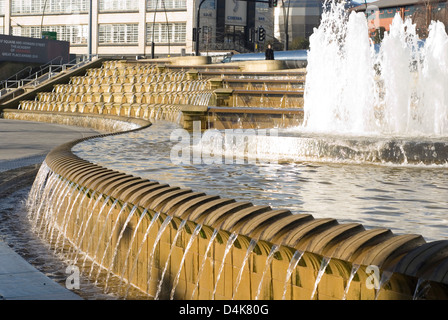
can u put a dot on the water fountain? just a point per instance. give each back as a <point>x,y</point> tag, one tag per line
<point>385,107</point>
<point>387,97</point>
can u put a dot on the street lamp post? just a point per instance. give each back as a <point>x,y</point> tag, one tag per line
<point>286,24</point>
<point>89,43</point>
<point>42,20</point>
<point>197,28</point>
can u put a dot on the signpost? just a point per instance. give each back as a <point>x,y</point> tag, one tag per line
<point>49,35</point>
<point>32,50</point>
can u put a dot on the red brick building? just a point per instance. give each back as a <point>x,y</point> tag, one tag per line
<point>381,13</point>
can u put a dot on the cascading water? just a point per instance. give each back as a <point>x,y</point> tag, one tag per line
<point>142,216</point>
<point>349,281</point>
<point>173,245</point>
<point>385,277</point>
<point>94,227</point>
<point>421,289</point>
<point>123,229</point>
<point>229,245</point>
<point>204,260</point>
<point>323,266</point>
<point>249,250</point>
<point>134,265</point>
<point>405,98</point>
<point>269,259</point>
<point>292,266</point>
<point>80,236</point>
<point>151,257</point>
<point>106,220</point>
<point>187,248</point>
<point>115,224</point>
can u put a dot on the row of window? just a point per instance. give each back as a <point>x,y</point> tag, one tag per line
<point>166,32</point>
<point>110,33</point>
<point>25,7</point>
<point>48,6</point>
<point>408,10</point>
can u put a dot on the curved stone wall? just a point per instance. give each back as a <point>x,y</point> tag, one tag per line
<point>102,123</point>
<point>337,260</point>
<point>139,235</point>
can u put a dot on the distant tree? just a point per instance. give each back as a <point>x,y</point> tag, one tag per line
<point>427,11</point>
<point>379,34</point>
<point>299,43</point>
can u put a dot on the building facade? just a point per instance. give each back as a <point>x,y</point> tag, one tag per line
<point>118,27</point>
<point>297,19</point>
<point>421,12</point>
<point>158,27</point>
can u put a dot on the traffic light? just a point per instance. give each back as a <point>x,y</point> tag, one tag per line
<point>261,34</point>
<point>272,3</point>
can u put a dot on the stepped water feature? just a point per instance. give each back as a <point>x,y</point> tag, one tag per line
<point>133,91</point>
<point>141,226</point>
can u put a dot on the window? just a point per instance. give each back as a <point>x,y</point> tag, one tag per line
<point>164,33</point>
<point>75,34</point>
<point>118,33</point>
<point>179,32</point>
<point>19,7</point>
<point>166,4</point>
<point>2,7</point>
<point>118,5</point>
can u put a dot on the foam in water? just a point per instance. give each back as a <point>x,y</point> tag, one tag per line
<point>339,73</point>
<point>435,79</point>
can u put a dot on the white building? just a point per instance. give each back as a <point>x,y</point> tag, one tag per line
<point>128,27</point>
<point>119,27</point>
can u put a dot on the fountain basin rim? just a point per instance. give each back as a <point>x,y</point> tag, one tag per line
<point>59,155</point>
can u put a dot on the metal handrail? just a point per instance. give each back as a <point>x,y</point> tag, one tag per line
<point>72,64</point>
<point>47,71</point>
<point>4,83</point>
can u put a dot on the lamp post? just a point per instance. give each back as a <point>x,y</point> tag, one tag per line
<point>153,32</point>
<point>197,28</point>
<point>89,43</point>
<point>42,20</point>
<point>286,24</point>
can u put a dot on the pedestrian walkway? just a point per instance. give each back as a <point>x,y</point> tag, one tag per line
<point>21,281</point>
<point>24,144</point>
